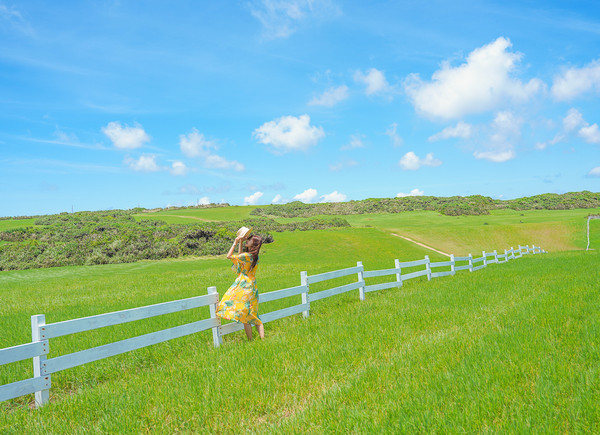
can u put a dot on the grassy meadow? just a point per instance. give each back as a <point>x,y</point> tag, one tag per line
<point>510,348</point>
<point>554,230</point>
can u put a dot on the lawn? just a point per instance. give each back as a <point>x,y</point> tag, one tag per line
<point>11,224</point>
<point>186,216</point>
<point>553,230</point>
<point>510,348</point>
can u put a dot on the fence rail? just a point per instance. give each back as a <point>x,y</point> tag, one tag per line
<point>41,333</point>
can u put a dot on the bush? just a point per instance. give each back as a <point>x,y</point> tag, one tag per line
<point>115,237</point>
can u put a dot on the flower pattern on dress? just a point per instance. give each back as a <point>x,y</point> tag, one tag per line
<point>240,301</point>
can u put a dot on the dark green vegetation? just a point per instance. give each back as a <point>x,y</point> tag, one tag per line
<point>552,221</point>
<point>450,206</point>
<point>115,236</point>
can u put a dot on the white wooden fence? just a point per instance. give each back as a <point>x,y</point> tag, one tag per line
<point>42,332</point>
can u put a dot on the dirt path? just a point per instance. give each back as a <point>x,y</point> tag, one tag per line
<point>421,244</point>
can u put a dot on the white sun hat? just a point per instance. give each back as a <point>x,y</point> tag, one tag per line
<point>243,232</point>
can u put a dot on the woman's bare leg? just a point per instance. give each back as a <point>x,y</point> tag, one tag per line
<point>248,329</point>
<point>261,330</point>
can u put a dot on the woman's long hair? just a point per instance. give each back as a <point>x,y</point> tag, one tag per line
<point>255,249</point>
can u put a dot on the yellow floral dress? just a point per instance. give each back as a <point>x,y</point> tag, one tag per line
<point>240,302</point>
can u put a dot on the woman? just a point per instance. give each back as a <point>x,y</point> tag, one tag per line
<point>240,302</point>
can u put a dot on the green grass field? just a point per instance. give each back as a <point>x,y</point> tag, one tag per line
<point>554,230</point>
<point>11,224</point>
<point>511,348</point>
<point>184,216</point>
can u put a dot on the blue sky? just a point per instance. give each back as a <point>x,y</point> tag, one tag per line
<point>120,104</point>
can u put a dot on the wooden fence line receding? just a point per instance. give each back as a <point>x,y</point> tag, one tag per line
<point>41,333</point>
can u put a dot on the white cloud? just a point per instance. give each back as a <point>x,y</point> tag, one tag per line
<point>573,120</point>
<point>289,133</point>
<point>307,196</point>
<point>281,18</point>
<point>411,162</point>
<point>591,134</point>
<point>595,172</point>
<point>356,141</point>
<point>196,145</point>
<point>214,161</point>
<point>14,17</point>
<point>462,130</point>
<point>482,83</point>
<point>374,80</point>
<point>336,167</point>
<point>330,97</point>
<point>577,81</point>
<point>495,156</point>
<point>125,137</point>
<point>504,133</point>
<point>178,168</point>
<point>414,192</point>
<point>278,199</point>
<point>253,199</point>
<point>334,196</point>
<point>392,133</point>
<point>203,201</point>
<point>572,123</point>
<point>144,164</point>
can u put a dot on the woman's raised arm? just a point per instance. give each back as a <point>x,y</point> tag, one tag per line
<point>230,253</point>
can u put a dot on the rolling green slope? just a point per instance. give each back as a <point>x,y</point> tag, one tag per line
<point>553,230</point>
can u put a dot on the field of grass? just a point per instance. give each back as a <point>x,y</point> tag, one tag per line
<point>186,216</point>
<point>11,224</point>
<point>553,230</point>
<point>511,348</point>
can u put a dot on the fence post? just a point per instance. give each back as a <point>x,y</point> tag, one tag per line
<point>495,256</point>
<point>399,274</point>
<point>304,282</point>
<point>470,263</point>
<point>217,339</point>
<point>452,265</point>
<point>484,259</point>
<point>38,322</point>
<point>428,268</point>
<point>512,253</point>
<point>505,255</point>
<point>361,290</point>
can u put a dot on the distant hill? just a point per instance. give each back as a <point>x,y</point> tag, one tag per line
<point>450,206</point>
